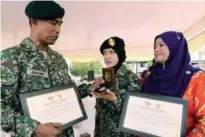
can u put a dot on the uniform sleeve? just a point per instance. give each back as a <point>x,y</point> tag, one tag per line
<point>134,86</point>
<point>199,106</point>
<point>83,90</point>
<point>11,120</point>
<point>97,120</point>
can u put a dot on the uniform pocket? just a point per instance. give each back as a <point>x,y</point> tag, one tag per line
<point>65,78</point>
<point>36,82</point>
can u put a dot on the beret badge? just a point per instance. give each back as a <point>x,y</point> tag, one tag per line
<point>111,42</point>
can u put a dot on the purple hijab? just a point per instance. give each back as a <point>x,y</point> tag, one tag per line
<point>172,78</point>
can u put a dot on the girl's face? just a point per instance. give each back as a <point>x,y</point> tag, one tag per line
<point>110,57</point>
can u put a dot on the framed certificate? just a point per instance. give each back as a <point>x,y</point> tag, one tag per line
<point>154,115</point>
<point>59,104</point>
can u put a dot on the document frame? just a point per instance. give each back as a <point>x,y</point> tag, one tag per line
<point>172,100</point>
<point>27,95</point>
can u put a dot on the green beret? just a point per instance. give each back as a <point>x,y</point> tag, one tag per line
<point>44,10</point>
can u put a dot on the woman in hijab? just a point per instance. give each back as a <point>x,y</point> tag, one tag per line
<point>172,75</point>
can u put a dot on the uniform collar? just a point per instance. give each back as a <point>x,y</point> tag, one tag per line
<point>121,70</point>
<point>28,45</point>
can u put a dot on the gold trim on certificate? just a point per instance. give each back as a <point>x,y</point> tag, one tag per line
<point>60,104</point>
<point>151,115</point>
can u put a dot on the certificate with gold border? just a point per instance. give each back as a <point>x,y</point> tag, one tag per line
<point>58,104</point>
<point>154,115</point>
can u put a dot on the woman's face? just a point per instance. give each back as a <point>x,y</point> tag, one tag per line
<point>161,51</point>
<point>110,57</point>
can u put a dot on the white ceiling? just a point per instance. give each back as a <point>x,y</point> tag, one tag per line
<point>87,24</point>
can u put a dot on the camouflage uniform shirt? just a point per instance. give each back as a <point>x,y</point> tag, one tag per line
<point>107,112</point>
<point>24,69</point>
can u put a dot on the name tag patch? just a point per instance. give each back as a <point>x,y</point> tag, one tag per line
<point>37,73</point>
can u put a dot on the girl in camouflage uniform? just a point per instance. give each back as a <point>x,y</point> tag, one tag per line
<point>109,104</point>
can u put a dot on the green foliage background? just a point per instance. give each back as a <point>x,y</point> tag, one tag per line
<point>82,68</point>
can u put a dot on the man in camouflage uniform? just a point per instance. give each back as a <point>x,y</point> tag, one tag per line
<point>33,65</point>
<point>109,104</point>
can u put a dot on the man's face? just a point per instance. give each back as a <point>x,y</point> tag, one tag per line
<point>48,31</point>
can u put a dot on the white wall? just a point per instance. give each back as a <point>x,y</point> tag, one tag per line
<point>199,54</point>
